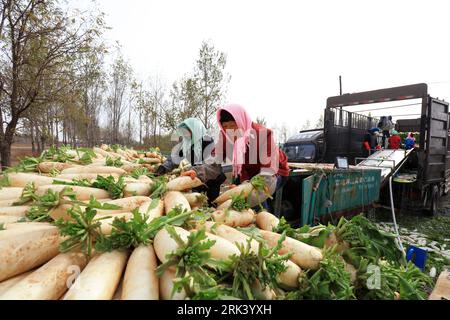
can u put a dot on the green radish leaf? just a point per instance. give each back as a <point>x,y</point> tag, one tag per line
<point>74,182</point>
<point>263,266</point>
<point>239,203</point>
<point>28,194</point>
<point>191,258</point>
<point>125,234</point>
<point>81,231</point>
<point>141,171</point>
<point>152,205</point>
<point>109,184</point>
<point>330,281</point>
<point>114,162</point>
<point>27,164</point>
<point>85,159</point>
<point>4,181</point>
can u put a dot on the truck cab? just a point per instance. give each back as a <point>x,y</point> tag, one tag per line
<point>305,146</point>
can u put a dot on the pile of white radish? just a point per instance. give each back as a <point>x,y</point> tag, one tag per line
<point>33,267</point>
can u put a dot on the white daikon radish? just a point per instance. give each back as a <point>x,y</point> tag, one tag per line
<point>88,176</point>
<point>5,285</point>
<point>183,183</point>
<point>225,205</point>
<point>289,278</point>
<point>49,282</point>
<point>98,170</point>
<point>101,152</point>
<point>234,218</point>
<point>173,199</point>
<point>101,277</point>
<point>126,204</point>
<point>304,255</point>
<point>166,287</point>
<point>231,234</point>
<point>82,193</point>
<point>266,221</point>
<point>24,247</point>
<point>164,244</point>
<point>16,211</point>
<point>129,167</point>
<point>9,219</point>
<point>137,189</point>
<point>9,193</point>
<point>261,293</point>
<point>222,248</point>
<point>196,199</point>
<point>140,281</point>
<point>106,224</point>
<point>152,213</point>
<point>48,166</point>
<point>145,179</point>
<point>8,203</point>
<point>21,179</point>
<point>243,189</point>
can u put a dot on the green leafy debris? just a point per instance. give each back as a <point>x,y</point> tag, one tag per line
<point>191,260</point>
<point>83,229</point>
<point>114,188</point>
<point>114,162</point>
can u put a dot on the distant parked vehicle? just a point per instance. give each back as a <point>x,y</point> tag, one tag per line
<point>305,146</point>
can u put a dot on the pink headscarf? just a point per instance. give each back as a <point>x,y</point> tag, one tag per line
<point>244,123</point>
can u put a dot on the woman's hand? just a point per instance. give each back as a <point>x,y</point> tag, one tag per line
<point>258,197</point>
<point>189,173</point>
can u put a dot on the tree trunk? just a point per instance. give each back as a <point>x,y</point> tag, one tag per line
<point>140,127</point>
<point>6,140</point>
<point>33,145</point>
<point>5,152</point>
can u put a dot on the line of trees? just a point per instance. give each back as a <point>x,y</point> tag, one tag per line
<point>55,86</point>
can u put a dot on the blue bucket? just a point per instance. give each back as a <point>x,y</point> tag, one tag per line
<point>417,256</point>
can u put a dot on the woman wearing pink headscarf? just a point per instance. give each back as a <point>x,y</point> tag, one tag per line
<point>251,149</point>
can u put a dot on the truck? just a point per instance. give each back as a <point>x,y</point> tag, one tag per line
<point>426,167</point>
<point>312,154</point>
<point>305,146</point>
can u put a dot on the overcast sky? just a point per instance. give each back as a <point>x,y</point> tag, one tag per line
<point>285,57</point>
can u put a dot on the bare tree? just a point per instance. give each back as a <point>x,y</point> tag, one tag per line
<point>320,123</point>
<point>211,80</point>
<point>307,125</point>
<point>37,39</point>
<point>157,105</point>
<point>120,81</point>
<point>184,102</point>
